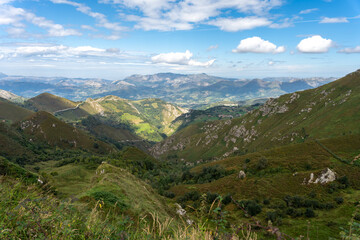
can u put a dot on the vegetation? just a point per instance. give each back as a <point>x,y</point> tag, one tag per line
<point>228,179</point>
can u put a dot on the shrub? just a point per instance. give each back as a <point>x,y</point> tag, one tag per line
<point>253,208</point>
<point>210,197</point>
<point>168,194</point>
<point>262,163</point>
<point>275,217</point>
<point>309,213</point>
<point>227,199</point>
<point>108,198</point>
<point>339,200</point>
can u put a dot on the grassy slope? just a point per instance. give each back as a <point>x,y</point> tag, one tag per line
<point>11,112</point>
<point>43,126</point>
<point>78,181</point>
<point>12,143</point>
<point>50,103</point>
<point>138,195</point>
<point>277,181</point>
<point>150,118</point>
<point>328,111</point>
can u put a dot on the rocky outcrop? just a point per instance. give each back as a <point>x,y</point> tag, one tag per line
<point>325,177</point>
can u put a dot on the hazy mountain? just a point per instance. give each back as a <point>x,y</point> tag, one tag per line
<point>11,97</point>
<point>183,89</point>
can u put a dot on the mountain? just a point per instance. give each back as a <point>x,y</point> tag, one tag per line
<point>50,103</point>
<point>229,111</point>
<point>10,112</point>
<point>150,119</point>
<point>186,90</point>
<point>328,111</point>
<point>44,127</point>
<point>11,97</point>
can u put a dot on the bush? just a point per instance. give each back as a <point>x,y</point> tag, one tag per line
<point>210,197</point>
<point>262,164</point>
<point>309,213</point>
<point>275,217</point>
<point>339,200</point>
<point>251,207</point>
<point>108,198</point>
<point>168,194</point>
<point>227,199</point>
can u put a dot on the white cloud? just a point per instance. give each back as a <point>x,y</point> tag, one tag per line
<point>257,45</point>
<point>101,18</point>
<point>240,24</point>
<point>180,58</point>
<point>213,47</point>
<point>50,51</point>
<point>2,56</point>
<point>3,2</point>
<point>307,11</point>
<point>15,32</point>
<point>334,20</point>
<point>350,50</point>
<point>148,24</point>
<point>315,44</point>
<point>10,15</point>
<point>168,15</point>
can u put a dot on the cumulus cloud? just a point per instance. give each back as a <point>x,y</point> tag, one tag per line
<point>257,45</point>
<point>315,44</point>
<point>334,20</point>
<point>240,24</point>
<point>350,50</point>
<point>168,15</point>
<point>49,51</point>
<point>10,15</point>
<point>2,2</point>
<point>180,58</point>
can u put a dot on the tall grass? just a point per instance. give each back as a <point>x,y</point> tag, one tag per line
<point>29,212</point>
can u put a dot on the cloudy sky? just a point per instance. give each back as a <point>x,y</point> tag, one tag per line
<point>232,38</point>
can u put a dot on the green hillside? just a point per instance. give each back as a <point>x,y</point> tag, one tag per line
<point>11,112</point>
<point>149,119</point>
<point>211,114</point>
<point>328,111</point>
<point>44,127</point>
<point>278,184</point>
<point>49,103</point>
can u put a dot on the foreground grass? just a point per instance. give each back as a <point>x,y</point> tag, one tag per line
<point>30,212</point>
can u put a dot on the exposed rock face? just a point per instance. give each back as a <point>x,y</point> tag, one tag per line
<point>242,175</point>
<point>326,176</point>
<point>271,107</point>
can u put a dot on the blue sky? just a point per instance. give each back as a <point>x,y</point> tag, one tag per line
<point>232,38</point>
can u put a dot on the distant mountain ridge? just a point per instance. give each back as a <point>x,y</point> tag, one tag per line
<point>185,90</point>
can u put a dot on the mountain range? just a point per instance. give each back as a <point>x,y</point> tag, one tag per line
<point>184,90</point>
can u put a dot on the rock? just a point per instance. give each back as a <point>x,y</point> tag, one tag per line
<point>311,180</point>
<point>242,175</point>
<point>180,210</point>
<point>326,177</point>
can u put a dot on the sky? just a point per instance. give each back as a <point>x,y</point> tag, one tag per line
<point>112,39</point>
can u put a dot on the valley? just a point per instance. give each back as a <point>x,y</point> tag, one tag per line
<point>290,163</point>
